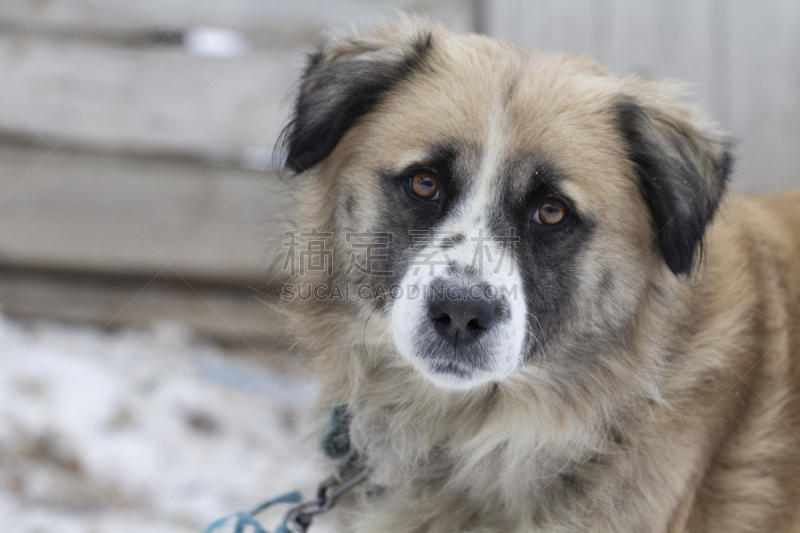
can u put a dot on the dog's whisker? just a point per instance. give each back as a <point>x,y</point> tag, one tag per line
<point>378,344</point>
<point>541,329</point>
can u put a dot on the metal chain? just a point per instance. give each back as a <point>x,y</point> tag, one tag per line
<point>299,517</point>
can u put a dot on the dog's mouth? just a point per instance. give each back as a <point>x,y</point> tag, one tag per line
<point>452,373</point>
<point>461,360</point>
<point>460,367</point>
<point>450,368</point>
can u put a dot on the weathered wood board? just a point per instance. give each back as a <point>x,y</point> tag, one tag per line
<point>231,314</point>
<point>135,216</point>
<point>266,22</point>
<point>147,99</point>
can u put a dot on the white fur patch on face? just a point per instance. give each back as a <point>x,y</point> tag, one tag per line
<point>464,260</point>
<point>484,269</point>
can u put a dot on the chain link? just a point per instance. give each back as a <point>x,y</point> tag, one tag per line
<point>347,476</point>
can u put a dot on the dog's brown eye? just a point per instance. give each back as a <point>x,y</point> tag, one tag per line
<point>424,186</point>
<point>550,213</point>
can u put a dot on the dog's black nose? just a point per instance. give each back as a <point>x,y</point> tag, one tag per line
<point>460,317</point>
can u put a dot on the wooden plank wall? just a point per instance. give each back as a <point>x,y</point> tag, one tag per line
<point>161,167</point>
<point>135,177</point>
<point>106,73</point>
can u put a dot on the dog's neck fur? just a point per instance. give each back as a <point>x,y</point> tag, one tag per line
<point>451,447</point>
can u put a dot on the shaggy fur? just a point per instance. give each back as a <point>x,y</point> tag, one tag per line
<point>658,384</point>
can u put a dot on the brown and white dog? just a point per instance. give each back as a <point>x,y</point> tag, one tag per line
<point>536,298</point>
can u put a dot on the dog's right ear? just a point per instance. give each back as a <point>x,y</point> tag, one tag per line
<point>345,79</point>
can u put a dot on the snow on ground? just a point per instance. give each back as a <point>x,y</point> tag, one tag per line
<point>147,431</point>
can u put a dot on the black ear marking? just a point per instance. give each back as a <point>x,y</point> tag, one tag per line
<point>341,83</point>
<point>683,173</point>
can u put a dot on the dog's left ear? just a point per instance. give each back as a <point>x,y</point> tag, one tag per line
<point>683,165</point>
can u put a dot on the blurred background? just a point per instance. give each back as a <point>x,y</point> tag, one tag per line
<point>144,383</point>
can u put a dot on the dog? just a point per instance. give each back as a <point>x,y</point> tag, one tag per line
<point>534,295</point>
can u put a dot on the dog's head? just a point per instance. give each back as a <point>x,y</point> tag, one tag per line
<point>504,204</point>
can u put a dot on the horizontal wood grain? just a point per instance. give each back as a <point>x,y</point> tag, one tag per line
<point>150,98</point>
<point>230,314</point>
<point>263,21</point>
<point>134,216</point>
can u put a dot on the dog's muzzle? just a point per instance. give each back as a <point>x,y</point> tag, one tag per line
<point>465,324</point>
